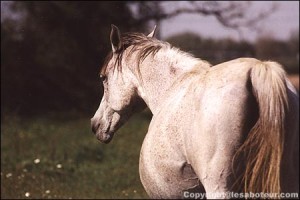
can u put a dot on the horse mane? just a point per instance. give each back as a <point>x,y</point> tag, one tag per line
<point>140,43</point>
<point>145,45</point>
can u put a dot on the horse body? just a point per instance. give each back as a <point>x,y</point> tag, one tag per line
<point>201,117</point>
<point>190,130</point>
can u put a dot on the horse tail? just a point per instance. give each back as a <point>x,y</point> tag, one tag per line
<point>263,146</point>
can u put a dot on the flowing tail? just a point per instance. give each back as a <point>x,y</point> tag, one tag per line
<point>263,147</point>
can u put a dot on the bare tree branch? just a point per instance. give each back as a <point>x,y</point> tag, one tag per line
<point>233,14</point>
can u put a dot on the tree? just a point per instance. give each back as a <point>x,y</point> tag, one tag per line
<point>55,62</point>
<point>231,14</point>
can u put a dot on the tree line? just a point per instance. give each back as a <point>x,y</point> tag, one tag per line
<point>221,50</point>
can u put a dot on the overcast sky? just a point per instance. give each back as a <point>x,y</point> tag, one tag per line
<point>278,25</point>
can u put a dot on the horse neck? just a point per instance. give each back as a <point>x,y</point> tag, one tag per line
<point>157,74</point>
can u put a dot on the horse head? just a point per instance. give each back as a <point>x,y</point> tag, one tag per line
<point>120,99</point>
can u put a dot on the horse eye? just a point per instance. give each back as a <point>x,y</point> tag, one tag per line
<point>102,77</point>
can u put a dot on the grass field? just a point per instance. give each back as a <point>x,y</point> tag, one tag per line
<point>57,156</point>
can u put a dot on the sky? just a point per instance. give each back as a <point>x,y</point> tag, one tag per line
<point>278,25</point>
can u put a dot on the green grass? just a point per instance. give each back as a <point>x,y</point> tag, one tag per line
<point>33,148</point>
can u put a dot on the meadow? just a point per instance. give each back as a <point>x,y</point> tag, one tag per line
<point>57,156</point>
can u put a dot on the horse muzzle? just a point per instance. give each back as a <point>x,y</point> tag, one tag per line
<point>103,135</point>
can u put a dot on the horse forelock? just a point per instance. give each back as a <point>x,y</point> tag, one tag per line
<point>141,44</point>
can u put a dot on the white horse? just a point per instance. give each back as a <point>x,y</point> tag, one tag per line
<point>230,127</point>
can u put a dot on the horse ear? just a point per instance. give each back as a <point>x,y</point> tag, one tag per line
<point>115,38</point>
<point>152,33</point>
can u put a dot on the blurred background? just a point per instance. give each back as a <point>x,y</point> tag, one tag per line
<point>51,53</point>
